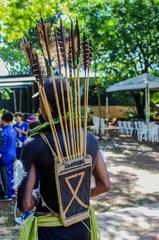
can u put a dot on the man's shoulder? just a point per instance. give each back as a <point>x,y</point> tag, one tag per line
<point>91,136</point>
<point>32,145</point>
<point>92,144</point>
<point>30,141</point>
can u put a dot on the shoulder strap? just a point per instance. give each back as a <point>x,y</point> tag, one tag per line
<point>45,139</point>
<point>43,136</point>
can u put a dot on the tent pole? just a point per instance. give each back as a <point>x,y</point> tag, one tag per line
<point>107,114</point>
<point>147,103</point>
<point>107,107</point>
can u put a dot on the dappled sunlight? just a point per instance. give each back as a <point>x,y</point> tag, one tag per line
<point>128,223</point>
<point>130,210</point>
<point>148,182</point>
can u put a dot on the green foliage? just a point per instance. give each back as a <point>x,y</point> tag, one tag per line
<point>124,33</point>
<point>12,56</point>
<point>129,115</point>
<point>20,16</point>
<point>19,19</point>
<point>155,98</point>
<point>2,111</point>
<point>5,93</point>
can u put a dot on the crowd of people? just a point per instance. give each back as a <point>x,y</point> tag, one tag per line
<point>38,188</point>
<point>14,129</point>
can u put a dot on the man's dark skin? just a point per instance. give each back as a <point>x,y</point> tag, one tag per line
<point>100,173</point>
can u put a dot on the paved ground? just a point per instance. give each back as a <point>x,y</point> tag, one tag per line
<point>130,211</point>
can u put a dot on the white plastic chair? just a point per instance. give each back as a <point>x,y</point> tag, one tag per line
<point>120,127</point>
<point>130,128</point>
<point>142,133</point>
<point>96,122</point>
<point>136,127</point>
<point>153,134</point>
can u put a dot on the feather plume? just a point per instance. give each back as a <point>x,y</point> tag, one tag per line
<point>70,61</point>
<point>73,45</point>
<point>56,51</point>
<point>61,42</point>
<point>59,46</point>
<point>44,30</point>
<point>86,54</point>
<point>36,62</point>
<point>77,41</point>
<point>26,49</point>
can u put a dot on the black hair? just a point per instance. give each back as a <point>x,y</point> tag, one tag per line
<point>25,116</point>
<point>20,114</point>
<point>49,90</point>
<point>33,125</point>
<point>8,117</point>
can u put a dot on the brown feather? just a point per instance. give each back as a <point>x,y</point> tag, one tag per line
<point>36,62</point>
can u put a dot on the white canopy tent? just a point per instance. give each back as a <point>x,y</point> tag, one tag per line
<point>142,82</point>
<point>3,68</point>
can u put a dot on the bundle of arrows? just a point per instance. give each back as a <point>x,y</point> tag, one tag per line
<point>69,52</point>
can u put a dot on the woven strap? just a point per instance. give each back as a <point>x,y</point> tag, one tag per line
<point>43,136</point>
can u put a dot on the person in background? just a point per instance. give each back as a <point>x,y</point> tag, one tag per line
<point>25,116</point>
<point>36,158</point>
<point>33,122</point>
<point>21,129</point>
<point>7,156</point>
<point>1,188</point>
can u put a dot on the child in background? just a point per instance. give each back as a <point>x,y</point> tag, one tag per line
<point>7,156</point>
<point>21,129</point>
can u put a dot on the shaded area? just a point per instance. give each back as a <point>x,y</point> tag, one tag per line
<point>130,211</point>
<point>8,228</point>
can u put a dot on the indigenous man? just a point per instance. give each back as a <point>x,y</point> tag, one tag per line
<point>21,128</point>
<point>37,158</point>
<point>7,156</point>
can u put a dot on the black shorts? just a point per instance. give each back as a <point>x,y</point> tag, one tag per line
<point>76,231</point>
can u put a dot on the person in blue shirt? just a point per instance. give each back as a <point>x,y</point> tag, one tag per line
<point>1,188</point>
<point>7,156</point>
<point>21,129</point>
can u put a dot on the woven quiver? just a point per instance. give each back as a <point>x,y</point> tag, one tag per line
<point>73,189</point>
<point>73,179</point>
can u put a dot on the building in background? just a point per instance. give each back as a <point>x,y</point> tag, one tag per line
<point>23,87</point>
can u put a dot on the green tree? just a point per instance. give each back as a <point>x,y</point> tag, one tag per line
<point>124,34</point>
<point>5,93</point>
<point>19,19</point>
<point>125,39</point>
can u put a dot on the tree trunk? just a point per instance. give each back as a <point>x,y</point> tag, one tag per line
<point>140,104</point>
<point>14,100</point>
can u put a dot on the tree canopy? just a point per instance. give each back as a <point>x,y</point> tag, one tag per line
<point>125,34</point>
